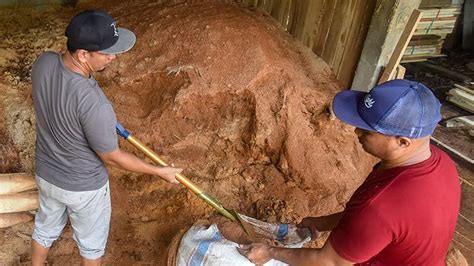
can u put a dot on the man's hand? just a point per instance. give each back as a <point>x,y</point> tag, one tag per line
<point>256,253</point>
<point>168,173</point>
<point>311,224</point>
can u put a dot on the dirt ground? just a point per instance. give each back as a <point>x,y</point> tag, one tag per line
<point>215,88</point>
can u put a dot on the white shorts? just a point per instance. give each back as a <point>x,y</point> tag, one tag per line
<point>88,211</point>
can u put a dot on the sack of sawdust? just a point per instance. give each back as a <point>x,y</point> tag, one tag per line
<point>216,243</point>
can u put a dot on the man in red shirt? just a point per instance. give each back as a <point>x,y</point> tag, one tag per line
<point>405,212</point>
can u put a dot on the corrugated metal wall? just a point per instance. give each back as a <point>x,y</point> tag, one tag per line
<point>334,29</point>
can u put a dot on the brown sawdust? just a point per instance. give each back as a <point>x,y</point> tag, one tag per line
<point>217,89</point>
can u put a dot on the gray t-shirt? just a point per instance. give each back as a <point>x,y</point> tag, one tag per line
<point>74,120</point>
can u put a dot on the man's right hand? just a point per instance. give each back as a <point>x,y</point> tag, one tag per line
<point>168,173</point>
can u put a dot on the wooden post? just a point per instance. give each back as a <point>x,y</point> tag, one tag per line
<point>401,46</point>
<point>386,27</point>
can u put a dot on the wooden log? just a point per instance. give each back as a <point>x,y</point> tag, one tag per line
<point>14,183</point>
<point>19,202</point>
<point>10,219</point>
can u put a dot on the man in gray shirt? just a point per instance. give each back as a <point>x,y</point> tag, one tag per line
<point>76,135</point>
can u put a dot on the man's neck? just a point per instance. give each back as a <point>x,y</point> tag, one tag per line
<point>73,64</point>
<point>418,155</point>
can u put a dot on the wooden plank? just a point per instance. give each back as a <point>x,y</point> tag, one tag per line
<point>460,102</point>
<point>466,96</point>
<point>280,12</point>
<point>324,23</point>
<point>436,3</point>
<point>301,12</point>
<point>265,5</point>
<point>293,15</point>
<point>400,72</point>
<point>334,46</point>
<point>419,57</point>
<point>401,46</point>
<point>466,89</point>
<point>355,41</point>
<point>460,121</point>
<point>310,24</point>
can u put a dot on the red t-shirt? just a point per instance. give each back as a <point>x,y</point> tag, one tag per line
<point>401,216</point>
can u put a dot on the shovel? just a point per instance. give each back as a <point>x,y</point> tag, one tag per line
<point>228,213</point>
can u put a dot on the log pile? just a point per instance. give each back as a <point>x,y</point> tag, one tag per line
<point>18,196</point>
<point>462,96</point>
<point>438,20</point>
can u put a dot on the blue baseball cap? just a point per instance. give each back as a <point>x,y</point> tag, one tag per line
<point>96,30</point>
<point>395,108</point>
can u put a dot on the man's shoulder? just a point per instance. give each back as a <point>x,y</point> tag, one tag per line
<point>89,91</point>
<point>47,58</point>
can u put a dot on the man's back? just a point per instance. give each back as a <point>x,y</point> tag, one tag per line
<point>74,121</point>
<point>405,215</point>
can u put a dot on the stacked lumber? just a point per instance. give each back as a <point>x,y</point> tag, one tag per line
<point>436,23</point>
<point>462,96</point>
<point>17,197</point>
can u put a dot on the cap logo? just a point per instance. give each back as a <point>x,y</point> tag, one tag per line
<point>368,101</point>
<point>115,29</point>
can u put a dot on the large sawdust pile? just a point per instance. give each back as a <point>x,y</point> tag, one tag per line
<point>223,92</point>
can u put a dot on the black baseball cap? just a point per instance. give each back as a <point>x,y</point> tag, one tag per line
<point>96,30</point>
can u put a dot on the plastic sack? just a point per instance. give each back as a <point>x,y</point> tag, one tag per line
<point>205,245</point>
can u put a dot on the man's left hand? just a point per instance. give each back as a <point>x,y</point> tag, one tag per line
<point>257,253</point>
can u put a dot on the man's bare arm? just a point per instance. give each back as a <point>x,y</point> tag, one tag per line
<point>321,223</point>
<point>130,162</point>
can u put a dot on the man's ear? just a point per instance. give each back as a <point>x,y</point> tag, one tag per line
<point>82,55</point>
<point>404,142</point>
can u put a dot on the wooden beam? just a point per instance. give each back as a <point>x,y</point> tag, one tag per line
<point>387,25</point>
<point>401,46</point>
